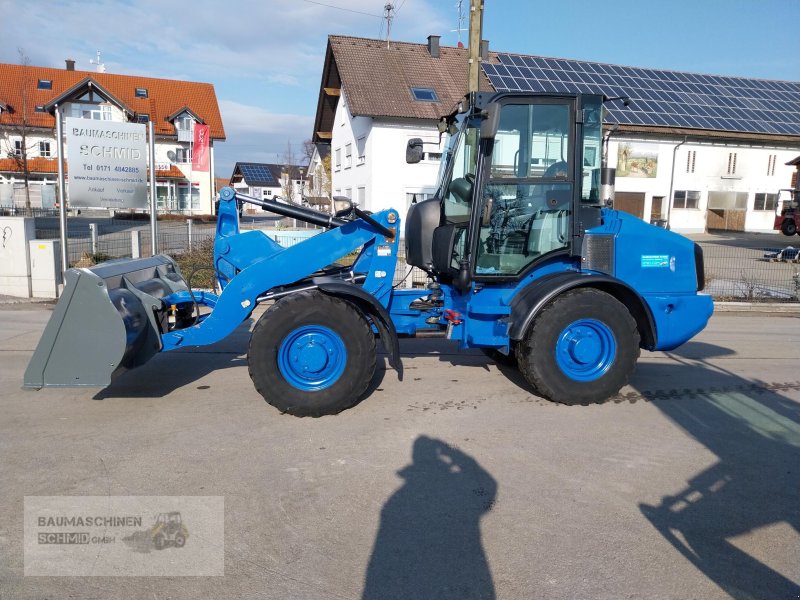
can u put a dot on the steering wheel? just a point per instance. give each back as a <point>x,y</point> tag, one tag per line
<point>556,168</point>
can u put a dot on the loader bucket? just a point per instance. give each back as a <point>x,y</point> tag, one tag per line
<point>109,318</point>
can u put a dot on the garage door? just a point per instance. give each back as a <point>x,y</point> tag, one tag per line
<point>630,202</point>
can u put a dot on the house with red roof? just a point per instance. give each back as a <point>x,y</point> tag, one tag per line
<point>29,96</point>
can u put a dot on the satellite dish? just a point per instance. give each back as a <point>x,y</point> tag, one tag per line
<point>171,155</point>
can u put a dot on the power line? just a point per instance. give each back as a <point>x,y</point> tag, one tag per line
<point>358,12</point>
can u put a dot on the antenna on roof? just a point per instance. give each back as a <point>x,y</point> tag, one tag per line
<point>388,15</point>
<point>461,18</point>
<point>101,66</point>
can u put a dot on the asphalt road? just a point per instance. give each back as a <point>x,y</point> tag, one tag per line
<point>455,483</point>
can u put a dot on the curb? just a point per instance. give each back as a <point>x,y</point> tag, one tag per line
<point>767,308</point>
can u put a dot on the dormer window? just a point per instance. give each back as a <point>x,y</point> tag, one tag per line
<point>184,123</point>
<point>141,92</point>
<point>424,94</point>
<point>91,96</point>
<point>98,112</point>
<point>45,84</point>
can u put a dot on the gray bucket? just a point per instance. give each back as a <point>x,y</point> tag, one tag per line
<point>109,319</point>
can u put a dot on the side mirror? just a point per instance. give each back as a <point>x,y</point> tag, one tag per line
<point>491,121</point>
<point>414,151</point>
<point>342,206</point>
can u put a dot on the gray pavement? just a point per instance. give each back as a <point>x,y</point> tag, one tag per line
<point>685,486</point>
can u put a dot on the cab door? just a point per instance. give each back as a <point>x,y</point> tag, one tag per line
<point>527,187</point>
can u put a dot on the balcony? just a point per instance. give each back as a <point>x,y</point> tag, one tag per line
<point>185,135</point>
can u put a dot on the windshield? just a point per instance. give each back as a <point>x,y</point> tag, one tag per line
<point>457,172</point>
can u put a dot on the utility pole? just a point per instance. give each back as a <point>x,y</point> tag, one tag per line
<point>475,35</point>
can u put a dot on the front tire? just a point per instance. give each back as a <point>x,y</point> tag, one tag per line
<point>311,355</point>
<point>788,227</point>
<point>581,349</point>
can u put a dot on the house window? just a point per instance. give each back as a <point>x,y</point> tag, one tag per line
<point>16,150</point>
<point>691,156</point>
<point>424,94</point>
<point>45,84</point>
<point>337,159</point>
<point>433,156</point>
<point>142,118</point>
<point>348,192</point>
<point>44,150</point>
<point>39,108</point>
<point>141,92</point>
<point>732,163</point>
<point>766,202</point>
<point>771,164</point>
<point>361,196</point>
<point>184,123</point>
<point>361,147</point>
<point>348,156</point>
<point>183,155</point>
<point>686,199</point>
<point>98,112</point>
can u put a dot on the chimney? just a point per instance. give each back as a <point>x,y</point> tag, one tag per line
<point>433,45</point>
<point>70,64</point>
<point>484,50</point>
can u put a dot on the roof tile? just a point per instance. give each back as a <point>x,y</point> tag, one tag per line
<point>18,87</point>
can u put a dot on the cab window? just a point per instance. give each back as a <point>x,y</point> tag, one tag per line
<point>526,202</point>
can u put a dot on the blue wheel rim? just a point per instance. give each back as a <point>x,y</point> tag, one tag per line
<point>312,358</point>
<point>586,349</point>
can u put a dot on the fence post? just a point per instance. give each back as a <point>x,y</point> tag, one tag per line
<point>189,232</point>
<point>93,232</point>
<point>136,244</point>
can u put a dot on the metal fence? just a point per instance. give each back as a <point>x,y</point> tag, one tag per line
<point>752,274</point>
<point>732,272</point>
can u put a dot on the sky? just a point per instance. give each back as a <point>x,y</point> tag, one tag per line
<point>265,57</point>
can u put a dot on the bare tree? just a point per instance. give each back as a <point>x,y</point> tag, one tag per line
<point>289,170</point>
<point>308,150</point>
<point>20,129</point>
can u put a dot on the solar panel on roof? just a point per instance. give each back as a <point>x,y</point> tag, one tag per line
<point>660,98</point>
<point>256,174</point>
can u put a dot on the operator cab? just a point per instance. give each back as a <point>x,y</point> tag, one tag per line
<point>516,170</point>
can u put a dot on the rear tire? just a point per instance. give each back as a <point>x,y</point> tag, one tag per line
<point>311,355</point>
<point>788,227</point>
<point>581,349</point>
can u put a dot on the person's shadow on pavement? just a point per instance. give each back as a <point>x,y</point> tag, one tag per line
<point>429,542</point>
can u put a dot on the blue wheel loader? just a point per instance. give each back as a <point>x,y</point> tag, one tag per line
<point>523,258</point>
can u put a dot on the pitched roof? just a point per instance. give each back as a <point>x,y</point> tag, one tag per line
<point>377,79</point>
<point>264,174</point>
<point>662,100</point>
<point>165,97</point>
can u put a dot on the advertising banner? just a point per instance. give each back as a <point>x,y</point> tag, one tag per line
<point>107,163</point>
<point>200,149</point>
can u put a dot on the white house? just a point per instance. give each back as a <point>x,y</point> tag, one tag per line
<point>373,99</point>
